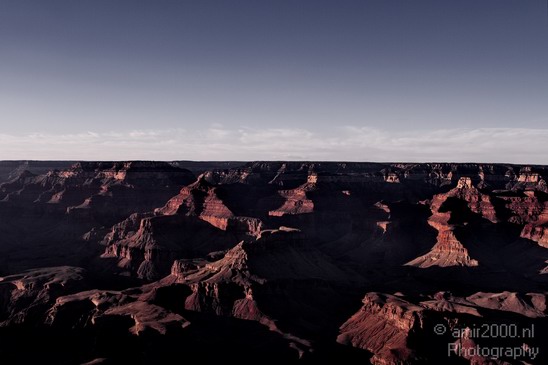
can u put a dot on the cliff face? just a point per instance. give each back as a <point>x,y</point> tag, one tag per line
<point>89,185</point>
<point>383,326</point>
<point>402,330</point>
<point>57,208</point>
<point>272,259</point>
<point>10,170</point>
<point>448,250</point>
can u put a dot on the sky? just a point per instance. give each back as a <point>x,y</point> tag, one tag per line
<point>367,80</point>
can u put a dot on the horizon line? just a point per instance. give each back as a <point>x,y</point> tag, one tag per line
<point>277,161</point>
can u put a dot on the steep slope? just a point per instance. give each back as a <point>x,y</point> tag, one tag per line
<point>56,209</point>
<point>401,330</point>
<point>448,250</point>
<point>142,262</point>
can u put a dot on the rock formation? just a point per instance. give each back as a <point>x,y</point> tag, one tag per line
<point>284,262</point>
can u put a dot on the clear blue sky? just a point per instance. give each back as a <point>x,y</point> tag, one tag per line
<point>380,80</point>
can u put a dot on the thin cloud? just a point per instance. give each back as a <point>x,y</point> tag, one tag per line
<point>349,143</point>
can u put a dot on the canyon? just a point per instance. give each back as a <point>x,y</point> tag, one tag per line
<point>144,262</point>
